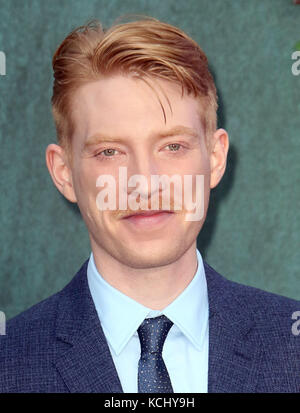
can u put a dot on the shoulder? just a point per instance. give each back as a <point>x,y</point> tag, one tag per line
<point>41,317</point>
<point>262,322</point>
<point>268,318</point>
<point>249,299</point>
<point>27,349</point>
<point>30,346</point>
<point>30,330</point>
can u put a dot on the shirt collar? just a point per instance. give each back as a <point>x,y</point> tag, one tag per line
<point>120,315</point>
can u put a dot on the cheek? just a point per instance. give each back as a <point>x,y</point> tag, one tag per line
<point>202,167</point>
<point>85,185</point>
<point>198,191</point>
<point>199,166</point>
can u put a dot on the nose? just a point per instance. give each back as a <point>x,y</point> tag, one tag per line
<point>142,166</point>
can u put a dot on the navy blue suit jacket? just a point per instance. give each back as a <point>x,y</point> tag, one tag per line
<point>58,345</point>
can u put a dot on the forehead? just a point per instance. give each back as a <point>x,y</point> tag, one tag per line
<point>125,106</point>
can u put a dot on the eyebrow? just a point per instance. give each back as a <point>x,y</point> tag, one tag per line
<point>175,131</point>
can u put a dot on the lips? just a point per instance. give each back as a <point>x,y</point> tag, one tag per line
<point>147,213</point>
<point>148,220</point>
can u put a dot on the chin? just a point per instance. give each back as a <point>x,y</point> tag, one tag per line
<point>149,257</point>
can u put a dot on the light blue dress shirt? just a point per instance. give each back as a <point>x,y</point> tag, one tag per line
<point>185,350</point>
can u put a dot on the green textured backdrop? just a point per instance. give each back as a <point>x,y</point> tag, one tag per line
<point>253,227</point>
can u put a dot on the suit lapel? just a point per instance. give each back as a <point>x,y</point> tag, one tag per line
<point>234,345</point>
<point>84,360</point>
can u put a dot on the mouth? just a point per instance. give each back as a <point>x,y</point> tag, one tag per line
<point>148,219</point>
<point>144,214</point>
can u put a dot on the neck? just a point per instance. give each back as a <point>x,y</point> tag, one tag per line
<point>154,288</point>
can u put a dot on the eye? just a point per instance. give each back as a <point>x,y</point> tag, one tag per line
<point>107,152</point>
<point>174,147</point>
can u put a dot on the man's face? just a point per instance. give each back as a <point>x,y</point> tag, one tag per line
<point>118,123</point>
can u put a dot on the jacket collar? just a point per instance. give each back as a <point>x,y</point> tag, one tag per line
<point>86,365</point>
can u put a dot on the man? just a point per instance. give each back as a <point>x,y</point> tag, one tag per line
<point>144,313</point>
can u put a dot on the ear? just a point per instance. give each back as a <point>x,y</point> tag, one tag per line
<point>59,169</point>
<point>218,156</point>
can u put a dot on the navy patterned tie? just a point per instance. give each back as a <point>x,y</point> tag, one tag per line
<point>153,376</point>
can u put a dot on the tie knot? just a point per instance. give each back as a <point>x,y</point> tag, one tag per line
<point>153,332</point>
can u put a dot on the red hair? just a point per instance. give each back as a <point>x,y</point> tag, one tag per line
<point>142,48</point>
